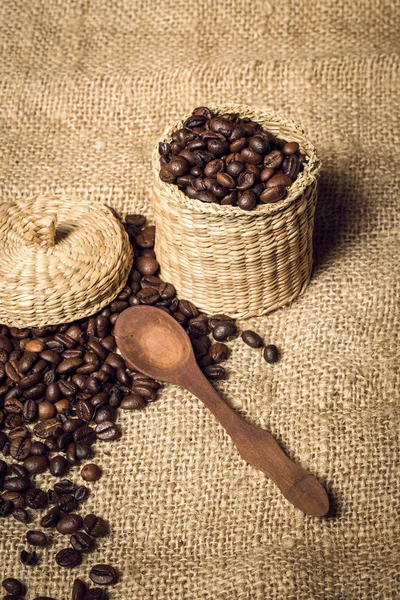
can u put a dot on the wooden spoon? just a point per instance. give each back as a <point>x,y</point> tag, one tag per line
<point>152,342</point>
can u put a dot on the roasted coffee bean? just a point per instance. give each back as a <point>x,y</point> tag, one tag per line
<point>105,413</point>
<point>273,194</point>
<point>85,435</point>
<point>251,157</point>
<point>67,503</point>
<point>79,589</point>
<point>215,320</point>
<point>245,180</point>
<point>13,406</point>
<point>69,524</point>
<point>82,542</point>
<point>28,359</point>
<point>258,144</point>
<point>290,148</point>
<point>204,360</point>
<point>35,392</point>
<point>279,179</point>
<point>206,197</point>
<point>133,402</point>
<point>21,515</point>
<point>53,496</point>
<point>91,472</point>
<point>6,507</point>
<point>103,575</point>
<point>252,339</point>
<point>68,557</point>
<point>58,466</point>
<point>40,366</point>
<point>291,166</point>
<point>16,484</point>
<point>84,410</point>
<point>266,174</point>
<point>48,428</point>
<point>274,159</point>
<point>198,326</point>
<point>53,393</point>
<point>107,431</point>
<point>29,380</point>
<point>214,372</point>
<point>95,526</point>
<point>52,444</point>
<point>38,449</point>
<point>46,410</point>
<point>51,357</point>
<point>20,448</point>
<point>95,594</point>
<point>36,498</point>
<point>17,498</point>
<point>5,344</point>
<point>218,352</point>
<point>247,200</point>
<point>13,586</point>
<point>81,493</point>
<point>28,559</point>
<point>69,366</point>
<point>83,451</point>
<point>18,471</point>
<point>146,266</point>
<point>36,538</point>
<point>271,354</point>
<point>224,331</point>
<point>71,425</point>
<point>51,518</point>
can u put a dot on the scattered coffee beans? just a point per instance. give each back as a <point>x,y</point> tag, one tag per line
<point>271,354</point>
<point>228,160</point>
<point>28,558</point>
<point>68,557</point>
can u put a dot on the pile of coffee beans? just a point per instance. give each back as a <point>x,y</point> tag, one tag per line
<point>60,391</point>
<point>229,160</point>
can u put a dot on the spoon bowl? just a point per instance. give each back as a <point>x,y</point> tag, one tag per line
<point>153,342</point>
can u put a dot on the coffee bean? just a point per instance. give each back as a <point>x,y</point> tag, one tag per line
<point>81,493</point>
<point>224,331</point>
<point>5,344</point>
<point>95,594</point>
<point>215,320</point>
<point>13,586</point>
<point>103,575</point>
<point>223,126</point>
<point>271,354</point>
<point>51,357</point>
<point>16,484</point>
<point>274,159</point>
<point>36,464</point>
<point>6,507</point>
<point>84,410</point>
<point>46,410</point>
<point>27,360</point>
<point>132,402</point>
<point>69,524</point>
<point>252,339</point>
<point>68,557</point>
<point>67,503</point>
<point>82,542</point>
<point>258,144</point>
<point>28,559</point>
<point>85,435</point>
<point>250,156</point>
<point>38,449</point>
<point>266,174</point>
<point>21,515</point>
<point>279,179</point>
<point>91,472</point>
<point>273,194</point>
<point>13,406</point>
<point>245,181</point>
<point>105,413</point>
<point>107,431</point>
<point>247,200</point>
<point>47,429</point>
<point>36,538</point>
<point>218,352</point>
<point>58,466</point>
<point>95,526</point>
<point>214,372</point>
<point>51,518</point>
<point>79,590</point>
<point>20,448</point>
<point>290,148</point>
<point>291,166</point>
<point>36,498</point>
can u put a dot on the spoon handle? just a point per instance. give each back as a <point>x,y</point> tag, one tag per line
<point>260,449</point>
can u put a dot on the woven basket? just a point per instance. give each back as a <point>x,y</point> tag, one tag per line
<point>225,259</point>
<point>60,260</point>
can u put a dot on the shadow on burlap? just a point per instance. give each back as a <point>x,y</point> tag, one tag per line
<point>86,88</point>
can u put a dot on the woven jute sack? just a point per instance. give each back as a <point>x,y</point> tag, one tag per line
<point>60,259</point>
<point>225,259</point>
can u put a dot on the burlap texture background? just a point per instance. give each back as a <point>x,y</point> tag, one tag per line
<point>86,87</point>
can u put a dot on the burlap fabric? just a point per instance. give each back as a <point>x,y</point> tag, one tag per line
<point>86,88</point>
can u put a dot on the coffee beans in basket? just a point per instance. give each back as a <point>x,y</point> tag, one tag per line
<point>229,160</point>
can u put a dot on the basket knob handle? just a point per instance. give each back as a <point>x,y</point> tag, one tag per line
<point>39,230</point>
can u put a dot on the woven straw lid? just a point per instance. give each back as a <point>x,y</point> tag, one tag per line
<point>60,260</point>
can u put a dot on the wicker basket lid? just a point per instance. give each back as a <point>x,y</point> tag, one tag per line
<point>60,260</point>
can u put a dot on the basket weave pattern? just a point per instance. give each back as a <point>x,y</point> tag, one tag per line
<point>225,259</point>
<point>60,260</point>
